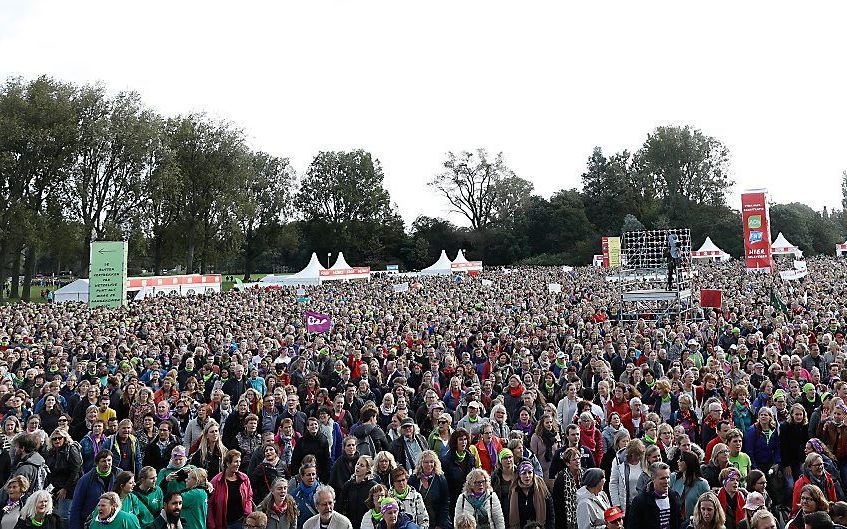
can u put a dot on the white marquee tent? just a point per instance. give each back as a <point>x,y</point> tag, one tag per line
<point>442,267</point>
<point>710,251</point>
<point>781,246</point>
<point>461,264</point>
<point>840,249</point>
<point>343,271</point>
<point>76,291</point>
<point>310,275</point>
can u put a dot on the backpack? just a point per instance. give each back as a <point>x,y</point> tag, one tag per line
<point>365,446</point>
<point>42,472</point>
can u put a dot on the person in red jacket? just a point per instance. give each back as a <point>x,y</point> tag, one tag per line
<point>231,492</point>
<point>813,473</point>
<point>488,448</point>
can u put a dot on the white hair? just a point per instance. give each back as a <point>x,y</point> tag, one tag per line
<point>28,510</point>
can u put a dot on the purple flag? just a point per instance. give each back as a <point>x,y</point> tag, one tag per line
<point>316,322</point>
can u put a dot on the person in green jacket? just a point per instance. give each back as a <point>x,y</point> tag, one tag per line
<point>109,515</point>
<point>195,499</point>
<point>147,492</point>
<point>170,476</point>
<point>124,485</point>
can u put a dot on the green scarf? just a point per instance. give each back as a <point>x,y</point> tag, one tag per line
<point>401,496</point>
<point>461,457</point>
<point>649,440</point>
<point>102,474</point>
<point>666,398</point>
<point>376,515</point>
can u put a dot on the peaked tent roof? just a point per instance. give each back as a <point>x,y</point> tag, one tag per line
<point>310,275</point>
<point>441,267</point>
<point>461,264</point>
<point>343,271</point>
<point>460,257</point>
<point>710,249</point>
<point>781,246</point>
<point>76,291</point>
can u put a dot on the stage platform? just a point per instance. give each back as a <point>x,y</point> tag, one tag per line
<point>656,295</point>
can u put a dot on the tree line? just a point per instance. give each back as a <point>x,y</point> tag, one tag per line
<point>79,164</point>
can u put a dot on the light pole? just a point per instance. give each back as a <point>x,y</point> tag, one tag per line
<point>328,255</point>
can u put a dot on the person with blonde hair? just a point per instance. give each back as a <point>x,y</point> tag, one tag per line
<point>428,479</point>
<point>354,493</point>
<point>627,468</point>
<point>195,499</point>
<point>109,515</point>
<point>480,501</point>
<point>15,489</point>
<point>708,513</point>
<point>210,450</point>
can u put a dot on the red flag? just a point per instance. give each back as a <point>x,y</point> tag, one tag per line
<point>710,298</point>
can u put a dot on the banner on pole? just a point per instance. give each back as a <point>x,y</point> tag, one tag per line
<point>611,251</point>
<point>107,274</point>
<point>316,322</point>
<point>710,298</point>
<point>757,231</point>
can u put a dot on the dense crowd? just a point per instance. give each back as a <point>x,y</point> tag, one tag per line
<point>460,403</point>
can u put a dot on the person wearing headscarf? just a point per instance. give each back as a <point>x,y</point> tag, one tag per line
<point>530,500</point>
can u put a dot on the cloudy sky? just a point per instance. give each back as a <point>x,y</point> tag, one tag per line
<point>542,82</point>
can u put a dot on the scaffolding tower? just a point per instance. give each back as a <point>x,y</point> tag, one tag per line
<point>644,288</point>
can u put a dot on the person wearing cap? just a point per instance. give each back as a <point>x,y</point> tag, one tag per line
<point>754,503</point>
<point>591,500</point>
<point>810,398</point>
<point>473,420</point>
<point>530,500</point>
<point>407,448</point>
<point>613,516</point>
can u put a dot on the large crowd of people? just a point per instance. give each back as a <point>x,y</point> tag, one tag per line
<point>486,402</point>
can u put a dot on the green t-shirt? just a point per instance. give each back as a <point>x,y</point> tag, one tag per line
<point>742,463</point>
<point>122,520</point>
<point>195,506</point>
<point>133,505</point>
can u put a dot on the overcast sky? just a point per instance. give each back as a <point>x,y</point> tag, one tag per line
<point>542,82</point>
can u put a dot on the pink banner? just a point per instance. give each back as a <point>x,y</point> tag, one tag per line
<point>316,322</point>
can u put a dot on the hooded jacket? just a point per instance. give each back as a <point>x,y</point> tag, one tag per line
<point>380,441</point>
<point>590,508</point>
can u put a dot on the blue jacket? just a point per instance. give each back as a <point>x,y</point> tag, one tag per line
<point>438,499</point>
<point>763,452</point>
<point>88,451</point>
<point>86,495</point>
<point>451,402</point>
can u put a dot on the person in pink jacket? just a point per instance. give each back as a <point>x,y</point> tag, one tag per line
<point>232,498</point>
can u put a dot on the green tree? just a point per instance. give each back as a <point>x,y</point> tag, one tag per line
<point>115,138</point>
<point>261,205</point>
<point>685,166</point>
<point>209,158</point>
<point>37,141</point>
<point>470,183</point>
<point>612,189</point>
<point>512,194</point>
<point>347,208</point>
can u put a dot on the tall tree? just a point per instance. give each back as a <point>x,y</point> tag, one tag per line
<point>686,166</point>
<point>37,139</point>
<point>512,195</point>
<point>116,135</point>
<point>261,205</point>
<point>470,183</point>
<point>209,158</point>
<point>345,205</point>
<point>613,189</point>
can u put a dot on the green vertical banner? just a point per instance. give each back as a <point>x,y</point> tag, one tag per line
<point>107,274</point>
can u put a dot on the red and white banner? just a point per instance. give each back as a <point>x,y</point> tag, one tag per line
<point>710,298</point>
<point>757,230</point>
<point>475,266</point>
<point>356,272</point>
<point>164,281</point>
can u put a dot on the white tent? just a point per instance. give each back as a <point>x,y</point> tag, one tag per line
<point>442,267</point>
<point>710,251</point>
<point>461,264</point>
<point>781,246</point>
<point>342,270</point>
<point>76,291</point>
<point>310,275</point>
<point>840,249</point>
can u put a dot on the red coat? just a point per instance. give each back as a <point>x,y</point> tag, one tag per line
<point>829,491</point>
<point>483,455</point>
<point>622,408</point>
<point>216,519</point>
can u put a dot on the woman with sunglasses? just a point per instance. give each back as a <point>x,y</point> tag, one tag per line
<point>439,439</point>
<point>479,500</point>
<point>64,459</point>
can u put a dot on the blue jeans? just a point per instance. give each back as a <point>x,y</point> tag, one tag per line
<point>63,510</point>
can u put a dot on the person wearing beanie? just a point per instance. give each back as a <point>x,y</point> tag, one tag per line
<point>591,500</point>
<point>810,398</point>
<point>530,500</point>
